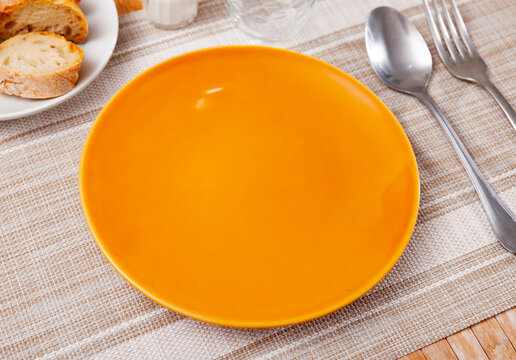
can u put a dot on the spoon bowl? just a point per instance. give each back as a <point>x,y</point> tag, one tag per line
<point>397,51</point>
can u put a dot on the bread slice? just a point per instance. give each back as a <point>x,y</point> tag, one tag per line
<point>63,17</point>
<point>39,65</point>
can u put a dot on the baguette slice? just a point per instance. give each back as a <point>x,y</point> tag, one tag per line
<point>63,17</point>
<point>39,65</point>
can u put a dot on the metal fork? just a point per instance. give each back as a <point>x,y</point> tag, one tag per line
<point>462,58</point>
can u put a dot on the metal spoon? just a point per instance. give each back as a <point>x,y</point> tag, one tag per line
<point>400,57</point>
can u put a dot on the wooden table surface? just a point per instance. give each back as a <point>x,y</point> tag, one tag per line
<point>491,339</point>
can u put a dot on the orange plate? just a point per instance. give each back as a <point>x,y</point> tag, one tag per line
<point>249,186</point>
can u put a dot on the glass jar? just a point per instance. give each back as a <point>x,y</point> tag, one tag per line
<point>170,14</point>
<point>270,19</point>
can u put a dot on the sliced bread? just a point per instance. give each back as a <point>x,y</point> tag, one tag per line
<point>39,65</point>
<point>63,17</point>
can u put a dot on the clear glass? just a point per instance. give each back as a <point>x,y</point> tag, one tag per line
<point>270,19</point>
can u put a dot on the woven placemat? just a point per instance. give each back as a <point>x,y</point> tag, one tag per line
<point>59,298</point>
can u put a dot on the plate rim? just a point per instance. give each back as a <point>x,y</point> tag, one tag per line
<point>352,297</point>
<point>76,90</point>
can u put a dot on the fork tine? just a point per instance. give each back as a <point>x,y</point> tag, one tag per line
<point>453,30</point>
<point>445,57</point>
<point>462,28</point>
<point>444,31</point>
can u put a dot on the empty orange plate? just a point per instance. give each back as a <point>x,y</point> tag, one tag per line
<point>249,186</point>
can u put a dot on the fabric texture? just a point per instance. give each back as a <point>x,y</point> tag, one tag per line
<point>59,297</point>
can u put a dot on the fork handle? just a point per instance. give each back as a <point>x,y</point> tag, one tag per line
<point>500,217</point>
<point>500,99</point>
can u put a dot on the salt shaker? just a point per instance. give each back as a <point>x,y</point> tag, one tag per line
<point>170,14</point>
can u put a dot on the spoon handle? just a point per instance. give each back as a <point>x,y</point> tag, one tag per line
<point>501,218</point>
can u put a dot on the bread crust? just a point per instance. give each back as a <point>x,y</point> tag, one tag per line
<point>7,7</point>
<point>41,85</point>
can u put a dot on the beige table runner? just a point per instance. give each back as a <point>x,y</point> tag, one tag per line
<point>59,298</point>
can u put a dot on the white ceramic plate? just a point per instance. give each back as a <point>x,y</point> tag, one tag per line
<point>98,47</point>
